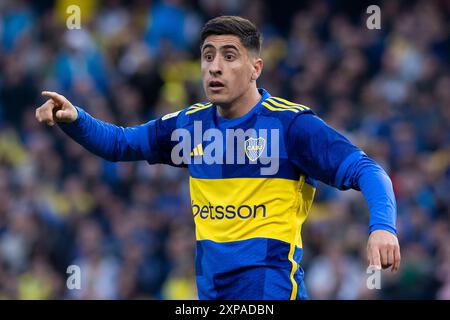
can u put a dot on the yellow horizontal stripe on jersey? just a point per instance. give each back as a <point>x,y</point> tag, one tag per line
<point>195,106</point>
<point>236,209</point>
<point>284,105</point>
<point>268,106</point>
<point>289,102</point>
<point>198,107</point>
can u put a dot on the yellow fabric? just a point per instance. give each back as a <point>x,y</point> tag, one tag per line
<point>243,208</point>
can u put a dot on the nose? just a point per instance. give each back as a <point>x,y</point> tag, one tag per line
<point>215,68</point>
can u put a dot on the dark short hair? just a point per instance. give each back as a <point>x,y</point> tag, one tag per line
<point>246,31</point>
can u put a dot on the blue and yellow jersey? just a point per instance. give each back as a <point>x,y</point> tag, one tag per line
<point>248,224</point>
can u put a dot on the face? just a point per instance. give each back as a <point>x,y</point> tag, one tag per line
<point>228,69</point>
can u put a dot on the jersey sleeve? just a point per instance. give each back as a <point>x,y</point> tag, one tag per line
<point>317,149</point>
<point>160,138</point>
<point>150,141</point>
<point>324,154</point>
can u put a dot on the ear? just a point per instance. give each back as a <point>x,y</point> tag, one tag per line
<point>257,68</point>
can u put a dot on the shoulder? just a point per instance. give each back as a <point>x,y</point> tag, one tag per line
<point>284,110</point>
<point>198,108</point>
<point>184,116</point>
<point>194,111</point>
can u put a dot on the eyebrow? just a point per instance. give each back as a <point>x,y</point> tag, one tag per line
<point>230,46</point>
<point>227,46</point>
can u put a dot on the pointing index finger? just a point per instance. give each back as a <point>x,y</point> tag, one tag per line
<point>53,95</point>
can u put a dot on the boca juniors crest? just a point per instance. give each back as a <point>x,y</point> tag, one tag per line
<point>254,148</point>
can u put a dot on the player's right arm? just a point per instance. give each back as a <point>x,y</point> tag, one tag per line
<point>111,142</point>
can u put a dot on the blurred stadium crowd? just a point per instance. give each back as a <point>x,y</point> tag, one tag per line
<point>129,225</point>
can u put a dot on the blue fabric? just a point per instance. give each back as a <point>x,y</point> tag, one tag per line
<point>359,172</point>
<point>316,148</point>
<point>109,141</point>
<point>256,268</point>
<point>326,155</point>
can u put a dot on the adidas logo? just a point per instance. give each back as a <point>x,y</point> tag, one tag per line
<point>198,150</point>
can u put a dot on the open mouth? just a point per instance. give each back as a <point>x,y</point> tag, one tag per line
<point>216,85</point>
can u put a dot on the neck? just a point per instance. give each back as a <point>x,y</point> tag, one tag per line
<point>241,105</point>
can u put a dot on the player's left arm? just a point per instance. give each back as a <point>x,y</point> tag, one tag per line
<point>326,155</point>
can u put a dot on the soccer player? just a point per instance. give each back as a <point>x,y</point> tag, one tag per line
<point>248,223</point>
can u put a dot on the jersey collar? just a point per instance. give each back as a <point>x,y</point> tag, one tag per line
<point>228,123</point>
